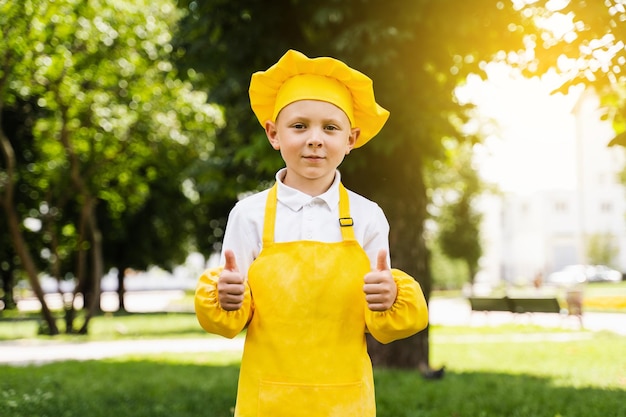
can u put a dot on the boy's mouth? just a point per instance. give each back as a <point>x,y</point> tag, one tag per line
<point>313,157</point>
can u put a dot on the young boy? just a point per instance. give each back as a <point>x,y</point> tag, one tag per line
<point>305,263</point>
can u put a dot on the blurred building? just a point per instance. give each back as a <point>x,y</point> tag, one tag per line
<point>539,232</point>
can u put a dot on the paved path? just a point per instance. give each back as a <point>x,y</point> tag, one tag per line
<point>24,352</point>
<point>442,312</point>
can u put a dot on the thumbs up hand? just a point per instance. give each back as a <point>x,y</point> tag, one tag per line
<point>230,285</point>
<point>380,288</point>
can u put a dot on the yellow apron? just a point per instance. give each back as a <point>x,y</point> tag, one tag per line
<point>305,352</point>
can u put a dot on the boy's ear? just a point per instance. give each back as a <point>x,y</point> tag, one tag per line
<point>272,134</point>
<point>354,135</point>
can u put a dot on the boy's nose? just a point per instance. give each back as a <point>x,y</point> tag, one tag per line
<point>315,138</point>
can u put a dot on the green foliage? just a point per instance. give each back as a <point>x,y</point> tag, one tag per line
<point>459,235</point>
<point>456,188</point>
<point>602,248</point>
<point>415,52</point>
<point>114,130</point>
<point>117,117</point>
<point>588,46</point>
<point>447,273</point>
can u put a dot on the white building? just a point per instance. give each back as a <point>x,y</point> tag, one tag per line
<point>545,229</point>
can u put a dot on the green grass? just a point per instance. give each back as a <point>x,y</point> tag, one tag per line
<point>130,387</point>
<point>514,370</point>
<point>606,288</point>
<point>574,359</point>
<point>112,327</point>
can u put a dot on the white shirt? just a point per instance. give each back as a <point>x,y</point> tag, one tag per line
<point>302,217</point>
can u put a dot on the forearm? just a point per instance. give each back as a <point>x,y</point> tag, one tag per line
<point>211,316</point>
<point>407,316</point>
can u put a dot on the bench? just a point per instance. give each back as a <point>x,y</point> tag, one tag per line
<point>490,304</point>
<point>516,304</point>
<point>536,305</point>
<point>521,305</point>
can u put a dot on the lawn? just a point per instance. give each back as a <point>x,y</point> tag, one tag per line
<point>514,370</point>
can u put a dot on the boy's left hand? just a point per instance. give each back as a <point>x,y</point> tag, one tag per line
<point>380,288</point>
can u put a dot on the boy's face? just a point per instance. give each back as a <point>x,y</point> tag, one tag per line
<point>313,137</point>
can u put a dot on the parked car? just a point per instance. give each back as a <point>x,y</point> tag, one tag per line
<point>570,275</point>
<point>602,273</point>
<point>578,274</point>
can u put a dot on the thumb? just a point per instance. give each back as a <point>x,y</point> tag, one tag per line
<point>381,263</point>
<point>231,262</point>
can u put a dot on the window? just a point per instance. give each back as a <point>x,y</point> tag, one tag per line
<point>606,207</point>
<point>560,206</point>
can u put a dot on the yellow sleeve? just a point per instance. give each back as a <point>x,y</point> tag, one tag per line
<point>407,316</point>
<point>211,316</point>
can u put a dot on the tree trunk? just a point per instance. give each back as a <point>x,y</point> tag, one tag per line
<point>97,264</point>
<point>8,280</point>
<point>121,272</point>
<point>83,284</point>
<point>398,187</point>
<point>471,270</point>
<point>90,237</point>
<point>13,222</point>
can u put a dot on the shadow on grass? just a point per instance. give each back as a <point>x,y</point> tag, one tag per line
<point>145,388</point>
<point>478,394</point>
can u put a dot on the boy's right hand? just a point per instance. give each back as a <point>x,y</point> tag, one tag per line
<point>230,285</point>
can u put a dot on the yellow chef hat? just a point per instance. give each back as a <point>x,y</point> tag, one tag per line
<point>296,77</point>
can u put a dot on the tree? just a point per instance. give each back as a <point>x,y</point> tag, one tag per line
<point>585,41</point>
<point>458,221</point>
<point>15,30</point>
<point>417,53</point>
<point>602,248</point>
<point>459,228</point>
<point>7,270</point>
<point>159,232</point>
<point>16,122</point>
<point>115,115</point>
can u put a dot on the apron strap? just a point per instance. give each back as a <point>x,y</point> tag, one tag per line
<point>345,221</point>
<point>270,216</point>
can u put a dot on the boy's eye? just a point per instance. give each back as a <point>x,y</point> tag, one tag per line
<point>298,126</point>
<point>332,127</point>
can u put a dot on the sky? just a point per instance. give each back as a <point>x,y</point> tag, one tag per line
<point>530,133</point>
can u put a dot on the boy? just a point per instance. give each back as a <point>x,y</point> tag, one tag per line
<point>306,264</point>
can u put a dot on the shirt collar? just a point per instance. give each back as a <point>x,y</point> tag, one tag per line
<point>295,199</point>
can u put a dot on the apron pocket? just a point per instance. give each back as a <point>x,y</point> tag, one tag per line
<point>277,399</point>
